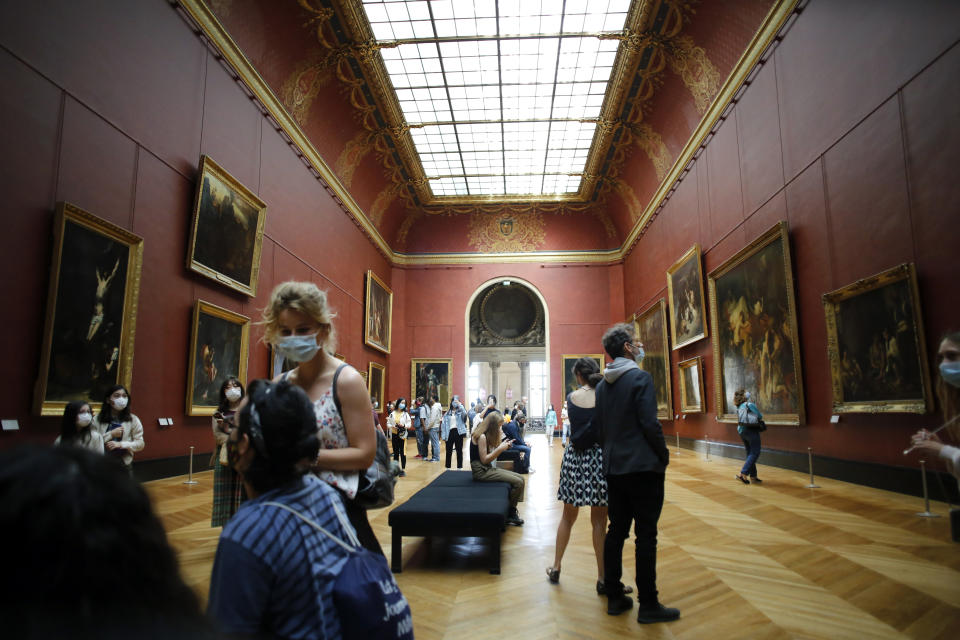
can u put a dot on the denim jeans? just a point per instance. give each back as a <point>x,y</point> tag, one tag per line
<point>564,432</point>
<point>634,498</point>
<point>751,440</point>
<point>513,453</point>
<point>420,441</point>
<point>435,443</point>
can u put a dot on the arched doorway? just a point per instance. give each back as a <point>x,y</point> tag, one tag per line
<point>507,343</point>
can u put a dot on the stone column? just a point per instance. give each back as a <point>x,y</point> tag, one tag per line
<point>495,381</point>
<point>524,380</point>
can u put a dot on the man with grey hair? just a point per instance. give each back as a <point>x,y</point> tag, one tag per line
<point>635,460</point>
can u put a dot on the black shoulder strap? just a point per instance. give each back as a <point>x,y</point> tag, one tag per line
<point>333,388</point>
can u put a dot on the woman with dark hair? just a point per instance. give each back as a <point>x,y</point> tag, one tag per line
<point>749,426</point>
<point>86,556</point>
<point>75,428</point>
<point>582,482</point>
<point>398,424</point>
<point>121,430</point>
<point>274,570</point>
<point>227,488</point>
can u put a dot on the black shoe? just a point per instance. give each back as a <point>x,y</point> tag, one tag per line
<point>618,604</point>
<point>515,519</point>
<point>658,613</point>
<point>755,479</point>
<point>602,588</point>
<point>742,478</point>
<point>403,474</point>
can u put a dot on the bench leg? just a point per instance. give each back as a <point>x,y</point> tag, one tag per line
<point>495,552</point>
<point>396,552</point>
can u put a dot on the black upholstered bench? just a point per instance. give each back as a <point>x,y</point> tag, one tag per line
<point>452,505</point>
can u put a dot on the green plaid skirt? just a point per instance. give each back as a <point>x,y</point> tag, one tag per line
<point>228,493</point>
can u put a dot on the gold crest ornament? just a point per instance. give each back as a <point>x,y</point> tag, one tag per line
<point>506,233</point>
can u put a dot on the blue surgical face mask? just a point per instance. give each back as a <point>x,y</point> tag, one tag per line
<point>747,395</point>
<point>950,372</point>
<point>639,354</point>
<point>403,405</point>
<point>298,348</point>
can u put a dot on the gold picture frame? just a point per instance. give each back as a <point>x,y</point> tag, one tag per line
<point>876,346</point>
<point>756,346</point>
<point>91,316</point>
<point>226,235</point>
<point>219,344</point>
<point>376,383</point>
<point>690,375</point>
<point>378,313</point>
<point>651,329</point>
<point>688,322</point>
<point>566,364</point>
<point>428,375</point>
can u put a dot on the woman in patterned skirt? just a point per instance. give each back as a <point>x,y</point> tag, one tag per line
<point>582,482</point>
<point>227,488</point>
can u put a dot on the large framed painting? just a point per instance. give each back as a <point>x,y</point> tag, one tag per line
<point>378,313</point>
<point>430,376</point>
<point>875,344</point>
<point>218,349</point>
<point>91,310</point>
<point>376,379</point>
<point>754,320</point>
<point>685,291</point>
<point>227,232</point>
<point>651,330</point>
<point>691,386</point>
<point>566,369</point>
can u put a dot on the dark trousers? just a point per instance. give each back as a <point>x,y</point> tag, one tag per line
<point>357,516</point>
<point>633,498</point>
<point>513,453</point>
<point>455,441</point>
<point>751,440</point>
<point>399,448</point>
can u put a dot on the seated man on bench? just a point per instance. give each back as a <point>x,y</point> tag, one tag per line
<point>519,451</point>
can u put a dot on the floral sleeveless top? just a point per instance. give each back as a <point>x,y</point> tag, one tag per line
<point>333,435</point>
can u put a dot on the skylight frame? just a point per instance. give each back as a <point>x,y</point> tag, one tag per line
<point>459,96</point>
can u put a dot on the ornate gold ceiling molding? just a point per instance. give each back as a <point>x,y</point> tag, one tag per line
<point>506,232</point>
<point>275,111</point>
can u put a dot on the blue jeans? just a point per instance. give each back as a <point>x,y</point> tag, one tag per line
<point>513,453</point>
<point>420,441</point>
<point>751,440</point>
<point>435,442</point>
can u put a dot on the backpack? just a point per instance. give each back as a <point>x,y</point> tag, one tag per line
<point>376,483</point>
<point>368,600</point>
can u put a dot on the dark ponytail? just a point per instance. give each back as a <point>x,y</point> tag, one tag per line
<point>588,371</point>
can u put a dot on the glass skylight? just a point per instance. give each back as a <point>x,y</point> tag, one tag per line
<point>499,90</point>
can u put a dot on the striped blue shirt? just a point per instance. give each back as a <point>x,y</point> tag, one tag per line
<point>274,573</point>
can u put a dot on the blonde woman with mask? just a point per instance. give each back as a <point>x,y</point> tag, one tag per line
<point>485,446</point>
<point>299,324</point>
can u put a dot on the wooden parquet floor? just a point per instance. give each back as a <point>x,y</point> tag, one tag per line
<point>775,560</point>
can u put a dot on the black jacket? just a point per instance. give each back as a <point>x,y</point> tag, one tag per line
<point>626,423</point>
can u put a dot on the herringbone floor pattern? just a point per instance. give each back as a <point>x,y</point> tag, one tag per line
<point>775,560</point>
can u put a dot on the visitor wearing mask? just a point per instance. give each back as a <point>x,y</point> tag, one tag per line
<point>121,430</point>
<point>550,421</point>
<point>75,428</point>
<point>433,426</point>
<point>299,324</point>
<point>948,392</point>
<point>749,426</point>
<point>398,424</point>
<point>227,488</point>
<point>453,430</point>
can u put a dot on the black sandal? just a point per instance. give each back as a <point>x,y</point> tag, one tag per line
<point>553,575</point>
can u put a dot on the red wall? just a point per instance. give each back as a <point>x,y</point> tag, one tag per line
<point>851,133</point>
<point>110,108</point>
<point>430,305</point>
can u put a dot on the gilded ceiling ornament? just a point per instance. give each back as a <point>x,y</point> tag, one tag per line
<point>690,62</point>
<point>301,87</point>
<point>506,232</point>
<point>321,16</point>
<point>412,216</point>
<point>629,198</point>
<point>380,205</point>
<point>351,157</point>
<point>221,7</point>
<point>652,144</point>
<point>607,223</point>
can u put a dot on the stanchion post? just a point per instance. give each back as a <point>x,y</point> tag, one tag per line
<point>926,497</point>
<point>707,439</point>
<point>190,479</point>
<point>812,484</point>
<point>678,442</point>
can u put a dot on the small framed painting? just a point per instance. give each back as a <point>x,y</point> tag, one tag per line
<point>378,313</point>
<point>218,350</point>
<point>651,330</point>
<point>227,232</point>
<point>876,346</point>
<point>566,372</point>
<point>429,376</point>
<point>685,292</point>
<point>91,311</point>
<point>691,386</point>
<point>376,379</point>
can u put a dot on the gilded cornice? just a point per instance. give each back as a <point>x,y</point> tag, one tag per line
<point>221,42</point>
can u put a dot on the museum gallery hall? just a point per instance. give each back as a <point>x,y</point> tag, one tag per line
<point>762,193</point>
